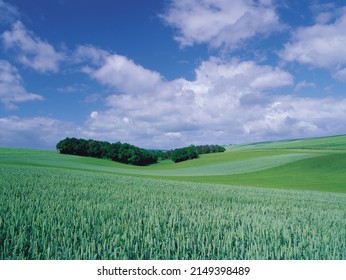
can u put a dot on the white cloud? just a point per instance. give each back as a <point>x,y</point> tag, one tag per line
<point>8,13</point>
<point>93,98</point>
<point>304,84</point>
<point>242,74</point>
<point>32,51</point>
<point>341,75</point>
<point>325,12</point>
<point>91,54</point>
<point>229,101</point>
<point>324,17</point>
<point>125,75</point>
<point>11,87</point>
<point>292,117</point>
<point>94,114</point>
<point>37,132</point>
<point>77,87</point>
<point>220,23</point>
<point>118,71</point>
<point>153,112</point>
<point>321,45</point>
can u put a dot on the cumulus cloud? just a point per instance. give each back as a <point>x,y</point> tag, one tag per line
<point>125,75</point>
<point>242,74</point>
<point>320,45</point>
<point>220,23</point>
<point>154,112</point>
<point>227,101</point>
<point>36,132</point>
<point>32,51</point>
<point>11,87</point>
<point>118,71</point>
<point>90,54</point>
<point>292,117</point>
<point>221,122</point>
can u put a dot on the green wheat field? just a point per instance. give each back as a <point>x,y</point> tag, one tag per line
<point>272,200</point>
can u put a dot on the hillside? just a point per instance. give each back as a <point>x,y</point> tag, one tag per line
<point>309,164</point>
<point>337,142</point>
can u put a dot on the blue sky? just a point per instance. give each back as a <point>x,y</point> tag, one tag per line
<point>165,74</point>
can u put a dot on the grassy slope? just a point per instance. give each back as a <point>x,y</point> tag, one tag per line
<point>324,173</point>
<point>337,142</point>
<point>309,164</point>
<point>323,169</point>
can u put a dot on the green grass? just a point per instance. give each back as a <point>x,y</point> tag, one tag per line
<point>322,143</point>
<point>307,164</point>
<point>324,173</point>
<point>273,200</point>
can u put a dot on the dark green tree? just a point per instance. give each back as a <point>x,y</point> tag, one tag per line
<point>183,154</point>
<point>124,153</point>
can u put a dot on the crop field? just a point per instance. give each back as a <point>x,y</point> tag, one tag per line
<point>278,200</point>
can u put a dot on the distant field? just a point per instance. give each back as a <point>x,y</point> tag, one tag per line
<point>273,200</point>
<point>321,143</point>
<point>308,164</point>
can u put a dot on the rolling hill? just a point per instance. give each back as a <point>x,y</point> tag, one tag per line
<point>276,200</point>
<point>307,164</point>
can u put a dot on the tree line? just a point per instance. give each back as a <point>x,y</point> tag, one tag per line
<point>120,152</point>
<point>130,154</point>
<point>191,152</point>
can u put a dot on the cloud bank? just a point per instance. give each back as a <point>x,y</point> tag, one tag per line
<point>35,132</point>
<point>227,101</point>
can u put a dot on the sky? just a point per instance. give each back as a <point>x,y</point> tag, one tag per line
<point>171,73</point>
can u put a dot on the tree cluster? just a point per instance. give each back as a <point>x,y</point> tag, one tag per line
<point>191,152</point>
<point>183,154</point>
<point>120,152</point>
<point>206,149</point>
